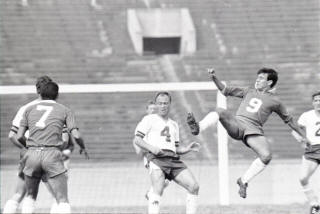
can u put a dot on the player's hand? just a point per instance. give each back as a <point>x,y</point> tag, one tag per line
<point>194,146</point>
<point>305,142</point>
<point>211,73</point>
<point>157,151</point>
<point>84,151</point>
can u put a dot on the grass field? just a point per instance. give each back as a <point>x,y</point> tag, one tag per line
<point>120,188</point>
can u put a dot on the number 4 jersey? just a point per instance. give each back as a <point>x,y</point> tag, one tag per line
<point>256,107</point>
<point>159,132</point>
<point>45,121</point>
<point>311,121</point>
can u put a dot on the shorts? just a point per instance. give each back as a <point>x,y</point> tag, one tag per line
<point>43,162</point>
<point>246,129</point>
<point>312,153</point>
<point>170,164</point>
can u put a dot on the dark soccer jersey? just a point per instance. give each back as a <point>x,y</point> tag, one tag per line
<point>45,122</point>
<point>256,106</point>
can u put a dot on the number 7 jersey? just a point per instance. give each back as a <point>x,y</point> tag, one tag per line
<point>158,132</point>
<point>45,121</point>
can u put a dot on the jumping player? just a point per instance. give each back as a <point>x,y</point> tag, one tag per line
<point>256,106</point>
<point>310,122</point>
<point>45,121</point>
<point>159,135</point>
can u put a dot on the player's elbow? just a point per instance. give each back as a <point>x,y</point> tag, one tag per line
<point>12,135</point>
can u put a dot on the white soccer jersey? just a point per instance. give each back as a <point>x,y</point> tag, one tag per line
<point>311,121</point>
<point>158,132</point>
<point>17,119</point>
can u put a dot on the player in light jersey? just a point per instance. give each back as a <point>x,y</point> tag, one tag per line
<point>151,109</point>
<point>12,204</point>
<point>45,121</point>
<point>159,135</point>
<point>257,105</point>
<point>310,122</point>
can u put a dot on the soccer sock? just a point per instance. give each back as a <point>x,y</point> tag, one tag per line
<point>28,205</point>
<point>310,194</point>
<point>209,120</point>
<point>154,203</point>
<point>64,208</point>
<point>11,206</point>
<point>191,205</point>
<point>255,168</point>
<point>54,208</point>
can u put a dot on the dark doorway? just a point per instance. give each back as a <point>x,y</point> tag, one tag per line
<point>167,45</point>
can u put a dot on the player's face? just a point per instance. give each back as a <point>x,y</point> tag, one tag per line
<point>163,105</point>
<point>316,103</point>
<point>152,108</point>
<point>262,82</point>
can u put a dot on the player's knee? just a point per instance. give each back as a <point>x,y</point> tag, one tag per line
<point>18,196</point>
<point>194,188</point>
<point>266,158</point>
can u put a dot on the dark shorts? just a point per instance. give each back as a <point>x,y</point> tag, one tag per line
<point>312,153</point>
<point>43,162</point>
<point>169,163</point>
<point>245,129</point>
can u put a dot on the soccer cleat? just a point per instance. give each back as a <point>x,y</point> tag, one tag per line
<point>243,188</point>
<point>315,209</point>
<point>193,124</point>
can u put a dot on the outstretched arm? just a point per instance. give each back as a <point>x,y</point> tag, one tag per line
<point>215,79</point>
<point>297,129</point>
<point>193,146</point>
<point>145,146</point>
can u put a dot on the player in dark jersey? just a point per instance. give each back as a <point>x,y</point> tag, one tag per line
<point>45,121</point>
<point>256,106</point>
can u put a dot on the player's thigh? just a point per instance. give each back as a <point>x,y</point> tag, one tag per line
<point>32,186</point>
<point>308,167</point>
<point>187,180</point>
<point>259,144</point>
<point>157,177</point>
<point>59,185</point>
<point>229,122</point>
<point>21,186</point>
<point>32,163</point>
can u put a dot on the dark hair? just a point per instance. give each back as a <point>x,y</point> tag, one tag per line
<point>315,94</point>
<point>49,91</point>
<point>162,93</point>
<point>272,75</point>
<point>41,81</point>
<point>150,102</point>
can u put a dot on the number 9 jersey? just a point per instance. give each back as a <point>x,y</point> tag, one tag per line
<point>45,121</point>
<point>159,132</point>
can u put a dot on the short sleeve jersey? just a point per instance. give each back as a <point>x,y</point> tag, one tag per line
<point>45,121</point>
<point>158,132</point>
<point>311,121</point>
<point>256,107</point>
<point>17,119</point>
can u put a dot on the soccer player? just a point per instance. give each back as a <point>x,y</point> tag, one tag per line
<point>13,203</point>
<point>256,106</point>
<point>151,109</point>
<point>159,135</point>
<point>310,122</point>
<point>45,121</point>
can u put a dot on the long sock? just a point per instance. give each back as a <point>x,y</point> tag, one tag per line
<point>209,120</point>
<point>28,205</point>
<point>64,208</point>
<point>310,194</point>
<point>54,208</point>
<point>154,203</point>
<point>191,205</point>
<point>11,206</point>
<point>255,168</point>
